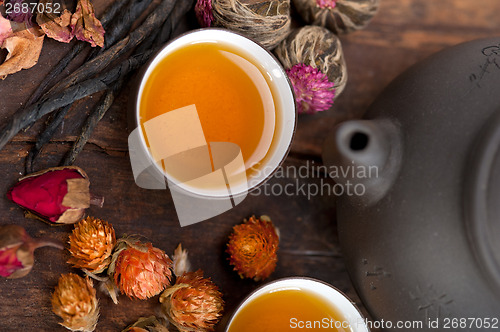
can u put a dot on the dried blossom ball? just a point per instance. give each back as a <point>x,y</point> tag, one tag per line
<point>91,244</point>
<point>267,21</point>
<point>314,61</point>
<point>194,303</point>
<point>339,16</point>
<point>253,247</point>
<point>75,301</point>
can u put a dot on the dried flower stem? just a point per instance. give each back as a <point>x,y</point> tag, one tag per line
<point>46,242</point>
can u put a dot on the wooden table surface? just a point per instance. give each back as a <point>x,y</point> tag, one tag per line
<point>402,33</point>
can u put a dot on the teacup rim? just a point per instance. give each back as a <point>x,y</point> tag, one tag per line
<point>305,278</point>
<point>143,77</point>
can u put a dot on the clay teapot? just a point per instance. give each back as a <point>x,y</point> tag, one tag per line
<point>422,241</point>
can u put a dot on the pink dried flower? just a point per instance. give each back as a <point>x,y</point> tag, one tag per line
<point>326,3</point>
<point>16,251</point>
<point>313,91</point>
<point>203,10</point>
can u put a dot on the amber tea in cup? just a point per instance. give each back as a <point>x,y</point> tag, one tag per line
<point>239,92</point>
<point>296,304</point>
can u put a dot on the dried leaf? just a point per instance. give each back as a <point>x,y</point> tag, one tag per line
<point>56,27</point>
<point>85,26</point>
<point>24,49</point>
<point>5,29</point>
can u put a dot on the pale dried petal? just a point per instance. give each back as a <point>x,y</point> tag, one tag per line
<point>181,261</point>
<point>56,27</point>
<point>24,49</point>
<point>85,26</point>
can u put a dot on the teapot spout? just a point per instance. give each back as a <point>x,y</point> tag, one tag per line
<point>364,155</point>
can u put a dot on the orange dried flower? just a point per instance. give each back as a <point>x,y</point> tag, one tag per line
<point>149,324</point>
<point>91,245</point>
<point>75,301</point>
<point>252,248</point>
<point>140,270</point>
<point>194,303</point>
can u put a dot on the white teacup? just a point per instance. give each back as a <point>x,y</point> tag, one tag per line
<point>195,196</point>
<point>351,318</point>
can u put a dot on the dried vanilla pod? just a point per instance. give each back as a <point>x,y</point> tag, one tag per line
<point>75,301</point>
<point>57,195</point>
<point>91,244</point>
<point>339,16</point>
<point>265,21</point>
<point>139,270</point>
<point>193,303</point>
<point>315,64</point>
<point>253,247</point>
<point>16,251</point>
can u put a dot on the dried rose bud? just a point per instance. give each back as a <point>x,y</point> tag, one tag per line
<point>91,244</point>
<point>194,303</point>
<point>75,301</point>
<point>57,195</point>
<point>314,61</point>
<point>252,248</point>
<point>16,251</point>
<point>140,270</point>
<point>149,324</point>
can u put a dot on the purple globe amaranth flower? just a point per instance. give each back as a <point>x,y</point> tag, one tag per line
<point>313,92</point>
<point>16,251</point>
<point>203,10</point>
<point>326,3</point>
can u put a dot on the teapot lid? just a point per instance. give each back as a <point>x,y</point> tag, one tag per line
<point>482,201</point>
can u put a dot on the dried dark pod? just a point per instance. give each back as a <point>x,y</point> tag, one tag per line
<point>265,21</point>
<point>314,61</point>
<point>340,16</point>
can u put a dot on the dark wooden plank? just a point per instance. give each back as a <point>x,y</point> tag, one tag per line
<point>308,247</point>
<point>403,32</point>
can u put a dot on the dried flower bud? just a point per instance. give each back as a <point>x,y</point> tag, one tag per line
<point>181,261</point>
<point>252,248</point>
<point>340,16</point>
<point>314,61</point>
<point>194,303</point>
<point>149,324</point>
<point>16,251</point>
<point>75,301</point>
<point>57,195</point>
<point>140,270</point>
<point>313,92</point>
<point>91,244</point>
<point>265,21</point>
